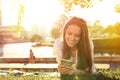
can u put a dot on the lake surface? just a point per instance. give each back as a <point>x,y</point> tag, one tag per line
<point>21,50</point>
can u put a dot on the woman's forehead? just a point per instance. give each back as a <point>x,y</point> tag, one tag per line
<point>74,28</point>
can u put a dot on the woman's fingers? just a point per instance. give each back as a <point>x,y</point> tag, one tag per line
<point>70,70</point>
<point>66,69</point>
<point>62,69</point>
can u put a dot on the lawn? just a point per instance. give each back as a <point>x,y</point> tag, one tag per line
<point>12,74</point>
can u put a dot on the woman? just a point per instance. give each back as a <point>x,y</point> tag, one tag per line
<point>77,47</point>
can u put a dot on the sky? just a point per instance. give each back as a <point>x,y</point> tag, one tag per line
<point>46,11</point>
<point>41,13</point>
<point>103,11</point>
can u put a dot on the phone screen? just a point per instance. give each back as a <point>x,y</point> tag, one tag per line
<point>66,62</point>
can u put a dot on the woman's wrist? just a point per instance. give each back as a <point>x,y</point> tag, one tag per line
<point>77,71</point>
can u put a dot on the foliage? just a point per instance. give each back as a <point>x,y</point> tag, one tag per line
<point>109,29</point>
<point>58,25</point>
<point>113,30</point>
<point>117,7</point>
<point>117,28</point>
<point>109,46</point>
<point>102,74</point>
<point>36,38</point>
<point>24,35</point>
<point>28,75</point>
<point>55,32</point>
<point>68,4</point>
<point>20,17</point>
<point>109,75</point>
<point>96,30</point>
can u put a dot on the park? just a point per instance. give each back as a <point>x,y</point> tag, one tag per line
<point>28,30</point>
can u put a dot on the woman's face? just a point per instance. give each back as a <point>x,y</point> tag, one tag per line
<point>72,35</point>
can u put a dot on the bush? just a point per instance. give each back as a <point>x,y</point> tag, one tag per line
<point>109,75</point>
<point>109,46</point>
<point>36,38</point>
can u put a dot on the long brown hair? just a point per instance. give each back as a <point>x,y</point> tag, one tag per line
<point>84,50</point>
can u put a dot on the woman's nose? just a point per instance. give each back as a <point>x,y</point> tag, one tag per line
<point>72,37</point>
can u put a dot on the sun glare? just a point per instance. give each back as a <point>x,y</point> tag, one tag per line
<point>35,12</point>
<point>44,12</point>
<point>41,12</point>
<point>9,12</point>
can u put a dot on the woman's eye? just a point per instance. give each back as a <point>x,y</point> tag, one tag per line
<point>77,35</point>
<point>69,33</point>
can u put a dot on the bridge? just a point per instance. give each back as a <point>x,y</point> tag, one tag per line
<point>111,46</point>
<point>101,62</point>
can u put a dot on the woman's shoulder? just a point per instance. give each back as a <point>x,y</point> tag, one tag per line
<point>91,43</point>
<point>57,49</point>
<point>58,42</point>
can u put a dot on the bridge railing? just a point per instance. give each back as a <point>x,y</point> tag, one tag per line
<point>112,61</point>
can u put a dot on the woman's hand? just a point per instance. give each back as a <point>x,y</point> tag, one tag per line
<point>83,72</point>
<point>70,70</point>
<point>66,69</point>
<point>62,69</point>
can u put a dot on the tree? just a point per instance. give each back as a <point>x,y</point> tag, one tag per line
<point>55,32</point>
<point>68,4</point>
<point>20,17</point>
<point>57,27</point>
<point>117,28</point>
<point>109,29</point>
<point>36,38</point>
<point>96,30</point>
<point>117,8</point>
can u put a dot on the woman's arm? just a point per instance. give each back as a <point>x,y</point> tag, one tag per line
<point>70,70</point>
<point>57,50</point>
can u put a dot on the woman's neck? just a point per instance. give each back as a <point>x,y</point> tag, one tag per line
<point>73,51</point>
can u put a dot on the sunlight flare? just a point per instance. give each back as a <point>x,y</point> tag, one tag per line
<point>41,12</point>
<point>45,12</point>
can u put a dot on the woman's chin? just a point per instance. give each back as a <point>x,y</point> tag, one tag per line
<point>70,45</point>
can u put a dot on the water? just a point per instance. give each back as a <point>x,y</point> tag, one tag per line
<point>21,50</point>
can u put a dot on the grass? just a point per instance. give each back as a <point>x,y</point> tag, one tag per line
<point>30,75</point>
<point>27,78</point>
<point>12,74</point>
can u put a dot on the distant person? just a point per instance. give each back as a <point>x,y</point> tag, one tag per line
<point>77,47</point>
<point>31,56</point>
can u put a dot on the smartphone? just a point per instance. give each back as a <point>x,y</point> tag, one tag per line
<point>66,62</point>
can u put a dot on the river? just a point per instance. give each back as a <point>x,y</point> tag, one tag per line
<point>21,50</point>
